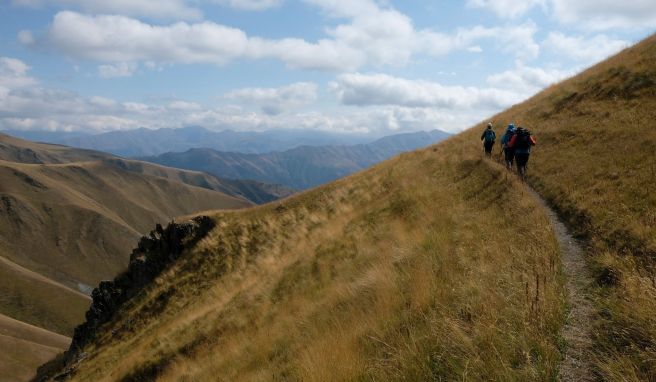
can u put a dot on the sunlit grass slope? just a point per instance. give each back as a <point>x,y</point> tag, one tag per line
<point>435,265</point>
<point>596,163</point>
<point>30,346</point>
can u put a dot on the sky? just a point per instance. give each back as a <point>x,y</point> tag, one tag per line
<point>365,66</point>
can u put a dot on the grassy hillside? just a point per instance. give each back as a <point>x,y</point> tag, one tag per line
<point>436,265</point>
<point>433,265</point>
<point>68,219</point>
<point>596,164</point>
<point>30,347</point>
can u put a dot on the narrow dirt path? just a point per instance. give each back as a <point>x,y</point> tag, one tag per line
<point>577,365</point>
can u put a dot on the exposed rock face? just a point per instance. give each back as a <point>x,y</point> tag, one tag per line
<point>153,254</point>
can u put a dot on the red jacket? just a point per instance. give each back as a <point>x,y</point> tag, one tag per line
<point>531,140</point>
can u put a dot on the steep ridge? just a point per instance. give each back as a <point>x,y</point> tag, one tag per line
<point>67,219</point>
<point>434,265</point>
<point>301,167</point>
<point>398,272</point>
<point>596,165</point>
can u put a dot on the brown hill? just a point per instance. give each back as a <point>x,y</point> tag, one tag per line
<point>435,265</point>
<point>71,215</point>
<point>68,218</point>
<point>25,347</point>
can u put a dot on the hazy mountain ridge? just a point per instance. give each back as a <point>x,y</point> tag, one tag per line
<point>302,167</point>
<point>148,142</point>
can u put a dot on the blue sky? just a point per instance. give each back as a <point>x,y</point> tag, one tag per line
<point>339,65</point>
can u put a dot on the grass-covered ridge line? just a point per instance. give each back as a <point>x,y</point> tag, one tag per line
<point>432,265</point>
<point>596,165</point>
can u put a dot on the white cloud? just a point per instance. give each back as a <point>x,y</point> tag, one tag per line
<point>122,39</point>
<point>13,73</point>
<point>606,14</point>
<point>526,81</point>
<point>506,8</point>
<point>277,100</point>
<point>184,106</point>
<point>381,89</point>
<point>103,102</point>
<point>164,9</point>
<point>26,105</point>
<point>121,69</point>
<point>250,5</point>
<point>378,37</point>
<point>25,37</point>
<point>588,50</point>
<point>38,108</point>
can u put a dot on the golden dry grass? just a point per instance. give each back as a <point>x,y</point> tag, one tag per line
<point>596,164</point>
<point>25,347</point>
<point>435,265</point>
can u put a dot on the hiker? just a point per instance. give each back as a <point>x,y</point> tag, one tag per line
<point>505,149</point>
<point>521,142</point>
<point>488,137</point>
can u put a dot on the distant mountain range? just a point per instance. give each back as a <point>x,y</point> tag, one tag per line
<point>301,167</point>
<point>147,142</point>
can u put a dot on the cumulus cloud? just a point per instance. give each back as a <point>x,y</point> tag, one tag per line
<point>13,73</point>
<point>586,14</point>
<point>121,69</point>
<point>277,100</point>
<point>250,5</point>
<point>103,102</point>
<point>32,107</point>
<point>373,35</point>
<point>184,106</point>
<point>526,81</point>
<point>381,89</point>
<point>588,50</point>
<point>606,14</point>
<point>506,8</point>
<point>26,105</point>
<point>165,9</point>
<point>123,39</point>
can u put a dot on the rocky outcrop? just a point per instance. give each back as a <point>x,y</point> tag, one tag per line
<point>153,254</point>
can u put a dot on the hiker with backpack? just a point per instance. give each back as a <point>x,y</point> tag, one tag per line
<point>488,137</point>
<point>522,142</point>
<point>505,149</point>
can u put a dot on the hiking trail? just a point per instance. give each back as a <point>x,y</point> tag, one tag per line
<point>576,365</point>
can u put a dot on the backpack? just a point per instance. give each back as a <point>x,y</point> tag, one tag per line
<point>507,137</point>
<point>523,141</point>
<point>490,136</point>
